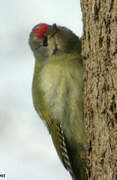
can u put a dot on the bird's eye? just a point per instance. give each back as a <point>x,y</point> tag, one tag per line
<point>45,41</point>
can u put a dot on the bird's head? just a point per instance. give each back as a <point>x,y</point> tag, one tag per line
<point>48,40</point>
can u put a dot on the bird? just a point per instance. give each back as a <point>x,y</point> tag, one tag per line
<point>57,92</point>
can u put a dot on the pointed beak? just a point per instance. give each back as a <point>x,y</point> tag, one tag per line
<point>54,26</point>
<point>53,30</point>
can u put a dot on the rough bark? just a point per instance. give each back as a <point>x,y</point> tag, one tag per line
<point>99,50</point>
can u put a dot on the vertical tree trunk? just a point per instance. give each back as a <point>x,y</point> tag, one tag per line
<point>99,50</point>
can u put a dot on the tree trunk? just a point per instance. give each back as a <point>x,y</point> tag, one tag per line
<point>99,50</point>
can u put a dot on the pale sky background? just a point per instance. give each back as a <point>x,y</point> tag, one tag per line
<point>26,149</point>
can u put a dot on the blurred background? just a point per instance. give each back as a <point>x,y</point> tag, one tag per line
<point>26,149</point>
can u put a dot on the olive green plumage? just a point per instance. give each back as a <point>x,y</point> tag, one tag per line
<point>57,94</point>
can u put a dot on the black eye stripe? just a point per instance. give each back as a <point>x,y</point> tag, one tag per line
<point>45,41</point>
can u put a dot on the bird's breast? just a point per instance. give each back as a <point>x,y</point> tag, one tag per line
<point>57,92</point>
